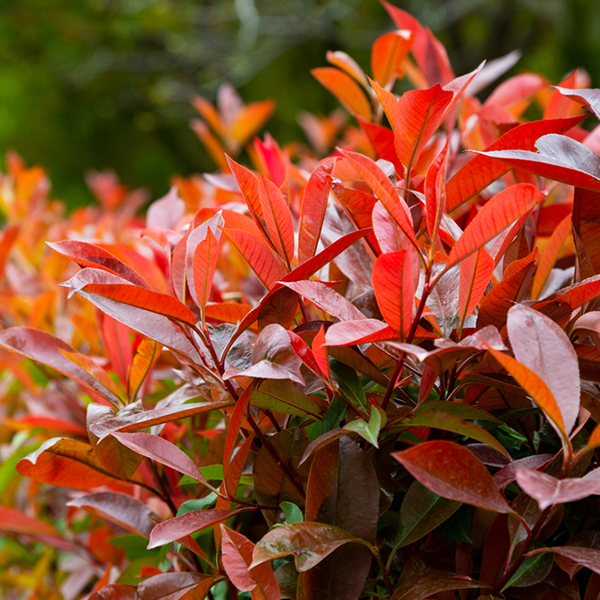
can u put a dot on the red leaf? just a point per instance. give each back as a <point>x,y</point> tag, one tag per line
<point>326,299</point>
<point>156,416</point>
<point>174,529</point>
<point>496,215</point>
<point>542,346</point>
<point>264,262</point>
<point>394,288</point>
<point>536,388</point>
<point>548,259</point>
<point>53,352</point>
<point>312,210</point>
<point>548,490</point>
<point>418,115</point>
<point>173,586</point>
<point>475,274</point>
<point>384,190</point>
<point>480,171</point>
<point>435,191</point>
<point>116,591</point>
<point>589,98</point>
<point>248,183</point>
<point>304,271</point>
<point>278,218</point>
<point>123,510</point>
<point>14,521</point>
<point>345,89</point>
<point>560,158</point>
<point>237,553</point>
<point>90,255</point>
<point>309,543</point>
<point>94,281</point>
<point>161,451</point>
<point>272,358</point>
<point>452,471</point>
<point>425,585</point>
<point>364,331</point>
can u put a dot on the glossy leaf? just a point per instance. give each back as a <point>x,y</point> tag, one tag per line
<point>548,490</point>
<point>588,97</point>
<point>550,255</point>
<point>90,255</point>
<point>91,281</point>
<point>367,430</point>
<point>248,184</point>
<point>480,171</point>
<point>123,510</point>
<point>393,284</point>
<point>475,274</point>
<point>536,388</point>
<point>343,491</point>
<point>173,586</point>
<point>237,551</point>
<point>439,419</point>
<point>312,211</point>
<point>65,463</point>
<point>418,114</point>
<point>161,451</point>
<point>278,219</point>
<point>174,529</point>
<point>452,471</point>
<point>495,216</point>
<point>428,583</point>
<point>264,262</point>
<point>435,191</point>
<point>309,543</point>
<point>560,158</point>
<point>143,360</point>
<point>421,512</point>
<point>385,192</point>
<point>542,346</point>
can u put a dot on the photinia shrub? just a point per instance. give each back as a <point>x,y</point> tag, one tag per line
<point>364,368</point>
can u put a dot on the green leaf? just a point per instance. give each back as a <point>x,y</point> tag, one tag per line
<point>350,384</point>
<point>421,512</point>
<point>369,431</point>
<point>335,413</point>
<point>292,513</point>
<point>199,504</point>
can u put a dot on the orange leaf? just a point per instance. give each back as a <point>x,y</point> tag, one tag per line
<point>206,255</point>
<point>536,388</point>
<point>278,218</point>
<point>251,118</point>
<point>475,273</point>
<point>394,289</point>
<point>418,114</point>
<point>264,263</point>
<point>345,89</point>
<point>384,190</point>
<point>387,54</point>
<point>144,358</point>
<point>496,215</point>
<point>550,255</point>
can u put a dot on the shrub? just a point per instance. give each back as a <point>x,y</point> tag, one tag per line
<point>366,374</point>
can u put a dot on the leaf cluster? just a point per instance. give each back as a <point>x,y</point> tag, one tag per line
<point>368,371</point>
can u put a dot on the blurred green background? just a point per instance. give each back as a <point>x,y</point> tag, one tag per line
<point>96,84</point>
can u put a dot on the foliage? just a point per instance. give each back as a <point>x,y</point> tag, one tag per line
<point>370,371</point>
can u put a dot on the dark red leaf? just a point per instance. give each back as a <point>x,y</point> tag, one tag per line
<point>452,471</point>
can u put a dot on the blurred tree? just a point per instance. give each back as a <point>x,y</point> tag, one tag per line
<point>106,83</point>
